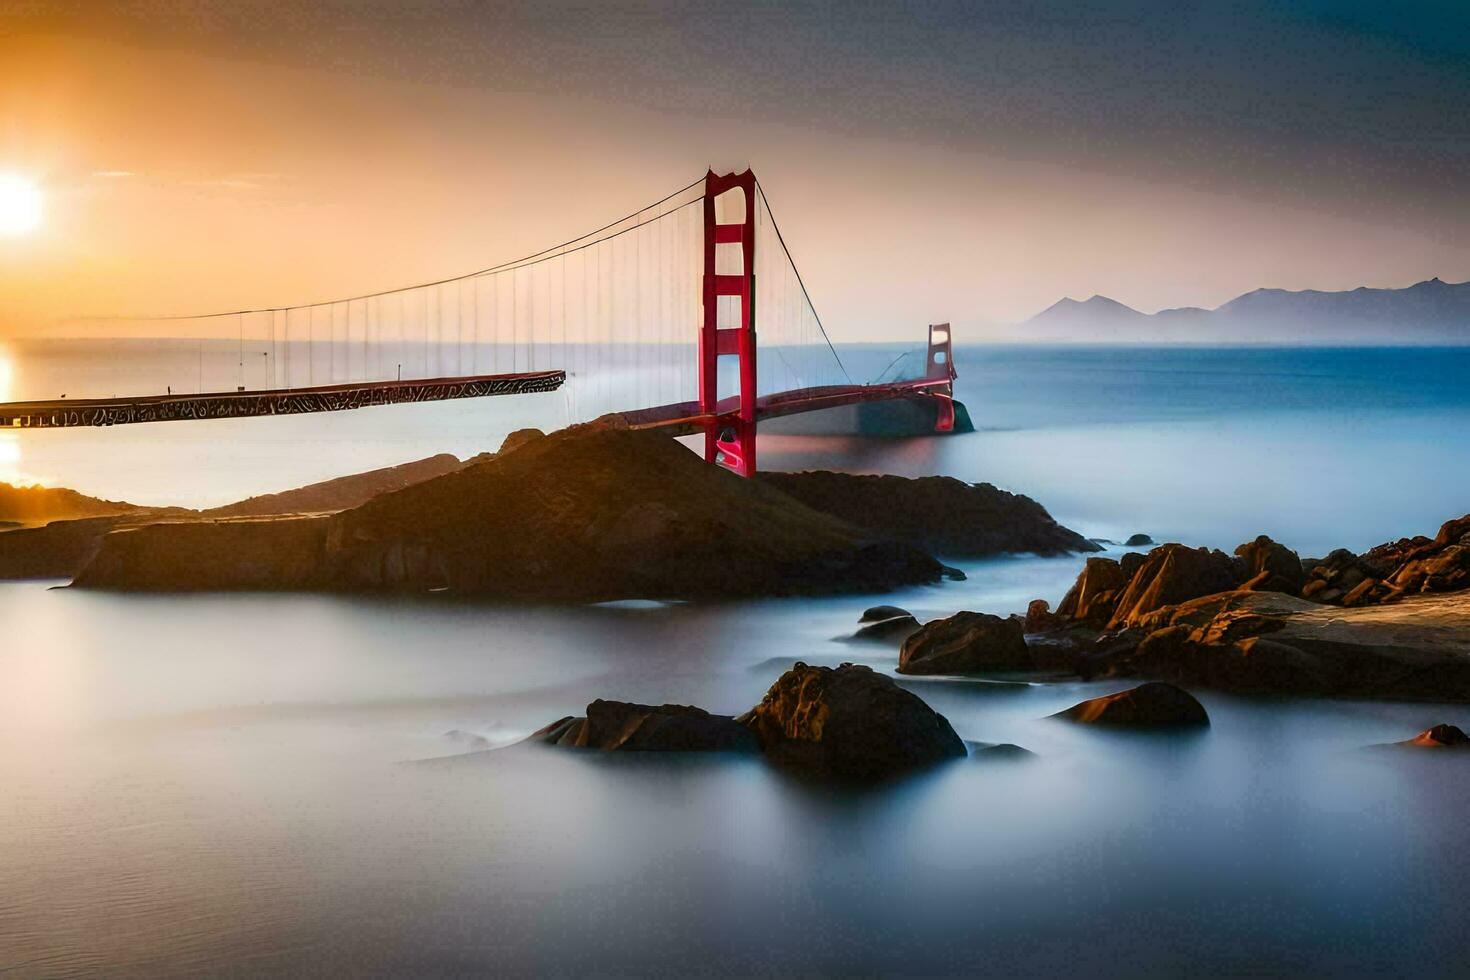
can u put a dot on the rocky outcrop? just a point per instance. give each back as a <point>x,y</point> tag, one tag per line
<point>939,514</point>
<point>1391,571</point>
<point>1440,737</point>
<point>1271,567</point>
<point>1138,541</point>
<point>965,643</point>
<point>886,623</point>
<point>1147,705</point>
<point>55,550</point>
<point>1094,595</point>
<point>850,723</point>
<point>211,556</point>
<point>1171,574</point>
<point>1271,643</point>
<point>588,514</point>
<point>623,727</point>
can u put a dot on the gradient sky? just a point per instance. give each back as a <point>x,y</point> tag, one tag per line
<point>927,161</point>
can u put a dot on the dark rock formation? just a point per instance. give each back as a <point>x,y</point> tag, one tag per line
<point>1171,574</point>
<point>1146,705</point>
<point>54,550</point>
<point>896,628</point>
<point>940,514</point>
<point>1440,737</point>
<point>1271,567</point>
<point>966,642</point>
<point>519,438</point>
<point>849,723</point>
<point>1138,541</point>
<point>624,727</point>
<point>1039,617</point>
<point>203,556</point>
<point>1093,596</point>
<point>877,614</point>
<point>1391,571</point>
<point>588,514</point>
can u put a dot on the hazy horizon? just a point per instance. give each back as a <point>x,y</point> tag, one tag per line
<point>931,164</point>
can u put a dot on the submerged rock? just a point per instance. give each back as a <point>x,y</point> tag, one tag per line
<point>966,642</point>
<point>1146,705</point>
<point>999,752</point>
<point>1138,541</point>
<point>878,614</point>
<point>620,726</point>
<point>850,723</point>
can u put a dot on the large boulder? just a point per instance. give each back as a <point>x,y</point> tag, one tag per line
<point>1138,541</point>
<point>897,627</point>
<point>1171,574</point>
<point>1147,705</point>
<point>1271,567</point>
<point>1094,594</point>
<point>850,723</point>
<point>623,727</point>
<point>964,643</point>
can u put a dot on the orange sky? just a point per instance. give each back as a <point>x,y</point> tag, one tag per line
<point>185,175</point>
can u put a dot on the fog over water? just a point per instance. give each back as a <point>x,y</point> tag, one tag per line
<point>236,783</point>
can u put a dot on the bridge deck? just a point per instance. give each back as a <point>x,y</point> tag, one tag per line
<point>685,418</point>
<point>71,412</point>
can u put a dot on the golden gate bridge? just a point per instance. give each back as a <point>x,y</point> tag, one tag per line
<point>688,316</point>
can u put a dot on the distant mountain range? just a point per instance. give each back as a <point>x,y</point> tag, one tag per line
<point>1429,312</point>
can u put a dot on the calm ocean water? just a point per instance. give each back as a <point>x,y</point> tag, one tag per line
<point>229,784</point>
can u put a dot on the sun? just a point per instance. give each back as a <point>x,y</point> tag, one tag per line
<point>20,205</point>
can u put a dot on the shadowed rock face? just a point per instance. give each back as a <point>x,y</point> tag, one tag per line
<point>620,726</point>
<point>849,723</point>
<point>341,493</point>
<point>588,514</point>
<point>1145,705</point>
<point>967,642</point>
<point>940,514</point>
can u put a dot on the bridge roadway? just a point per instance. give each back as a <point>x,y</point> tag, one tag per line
<point>75,412</point>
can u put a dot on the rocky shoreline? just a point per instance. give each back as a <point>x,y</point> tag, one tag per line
<point>1391,623</point>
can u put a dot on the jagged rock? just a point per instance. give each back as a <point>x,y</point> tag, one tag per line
<point>1040,618</point>
<point>1138,541</point>
<point>1271,567</point>
<point>850,723</point>
<point>1171,574</point>
<point>1440,737</point>
<point>624,727</point>
<point>964,643</point>
<point>1093,595</point>
<point>942,515</point>
<point>1146,705</point>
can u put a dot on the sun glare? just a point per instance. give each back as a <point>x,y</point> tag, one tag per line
<point>20,205</point>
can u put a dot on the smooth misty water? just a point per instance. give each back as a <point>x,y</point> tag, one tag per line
<point>229,784</point>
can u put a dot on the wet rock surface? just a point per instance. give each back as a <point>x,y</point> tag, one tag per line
<point>942,515</point>
<point>967,642</point>
<point>621,726</point>
<point>849,722</point>
<point>1147,705</point>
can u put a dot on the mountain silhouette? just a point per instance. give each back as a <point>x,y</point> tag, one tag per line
<point>1429,312</point>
